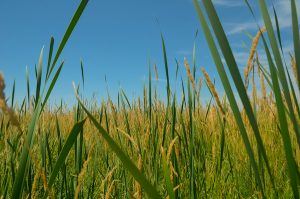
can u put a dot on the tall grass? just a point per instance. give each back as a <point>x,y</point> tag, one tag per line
<point>160,148</point>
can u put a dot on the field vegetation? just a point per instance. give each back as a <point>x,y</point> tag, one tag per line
<point>162,148</point>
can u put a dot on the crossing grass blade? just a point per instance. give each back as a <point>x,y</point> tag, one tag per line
<point>28,86</point>
<point>82,72</point>
<point>68,32</point>
<point>39,77</point>
<point>279,66</point>
<point>234,71</point>
<point>283,124</point>
<point>49,57</point>
<point>296,39</point>
<point>128,164</point>
<point>167,174</point>
<point>13,94</point>
<point>166,67</point>
<point>52,84</point>
<point>77,128</point>
<point>228,90</point>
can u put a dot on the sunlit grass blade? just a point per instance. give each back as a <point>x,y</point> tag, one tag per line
<point>49,57</point>
<point>82,72</point>
<point>68,32</point>
<point>283,125</point>
<point>39,77</point>
<point>19,181</point>
<point>296,39</point>
<point>52,84</point>
<point>234,71</point>
<point>13,94</point>
<point>28,86</point>
<point>77,128</point>
<point>228,91</point>
<point>167,174</point>
<point>279,64</point>
<point>128,164</point>
<point>166,67</point>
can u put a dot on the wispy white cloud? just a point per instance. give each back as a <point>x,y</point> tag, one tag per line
<point>228,3</point>
<point>283,10</point>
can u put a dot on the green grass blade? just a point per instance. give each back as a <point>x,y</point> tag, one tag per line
<point>166,67</point>
<point>52,84</point>
<point>19,181</point>
<point>82,72</point>
<point>39,77</point>
<point>28,86</point>
<point>50,57</point>
<point>77,128</point>
<point>128,164</point>
<point>283,125</point>
<point>13,94</point>
<point>167,173</point>
<point>296,39</point>
<point>68,32</point>
<point>228,91</point>
<point>233,69</point>
<point>279,64</point>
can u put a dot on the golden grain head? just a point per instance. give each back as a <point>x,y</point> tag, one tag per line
<point>189,74</point>
<point>250,64</point>
<point>213,90</point>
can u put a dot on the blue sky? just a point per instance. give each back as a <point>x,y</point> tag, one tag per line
<point>116,39</point>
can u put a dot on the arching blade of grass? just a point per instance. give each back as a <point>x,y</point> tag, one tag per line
<point>128,164</point>
<point>13,94</point>
<point>52,84</point>
<point>283,124</point>
<point>21,173</point>
<point>166,67</point>
<point>39,77</point>
<point>18,183</point>
<point>28,86</point>
<point>296,39</point>
<point>167,174</point>
<point>228,91</point>
<point>279,64</point>
<point>68,32</point>
<point>234,71</point>
<point>293,93</point>
<point>49,57</point>
<point>82,72</point>
<point>77,128</point>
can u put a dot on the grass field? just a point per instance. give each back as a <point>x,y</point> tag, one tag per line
<point>162,148</point>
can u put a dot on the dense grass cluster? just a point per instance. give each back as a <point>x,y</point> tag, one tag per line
<point>161,148</point>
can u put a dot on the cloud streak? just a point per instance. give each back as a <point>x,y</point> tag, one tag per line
<point>283,13</point>
<point>228,3</point>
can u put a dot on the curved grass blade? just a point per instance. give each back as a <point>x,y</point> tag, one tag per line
<point>229,92</point>
<point>69,31</point>
<point>283,124</point>
<point>39,77</point>
<point>13,94</point>
<point>128,164</point>
<point>234,71</point>
<point>53,82</point>
<point>296,39</point>
<point>19,181</point>
<point>279,64</point>
<point>28,86</point>
<point>167,174</point>
<point>82,72</point>
<point>50,57</point>
<point>166,67</point>
<point>77,128</point>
